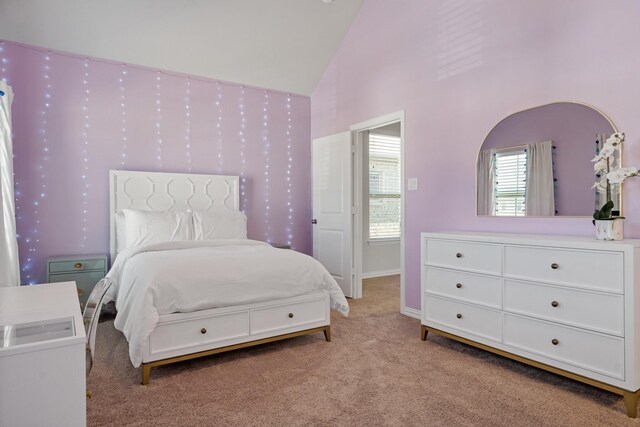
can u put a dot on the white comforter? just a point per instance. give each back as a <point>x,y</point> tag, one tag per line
<point>152,280</point>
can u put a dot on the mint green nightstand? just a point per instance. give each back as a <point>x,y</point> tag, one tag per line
<point>85,270</point>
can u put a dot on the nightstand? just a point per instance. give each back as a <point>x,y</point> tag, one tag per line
<point>85,270</point>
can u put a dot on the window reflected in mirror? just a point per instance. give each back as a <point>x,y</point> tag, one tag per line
<point>538,163</point>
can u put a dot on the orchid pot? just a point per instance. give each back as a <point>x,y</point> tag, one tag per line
<point>610,229</point>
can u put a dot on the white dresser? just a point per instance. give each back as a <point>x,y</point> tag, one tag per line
<point>42,357</point>
<point>570,305</point>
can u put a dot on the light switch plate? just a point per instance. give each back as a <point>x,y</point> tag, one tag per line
<point>412,184</point>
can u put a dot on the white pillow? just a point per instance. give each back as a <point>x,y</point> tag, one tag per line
<point>211,226</point>
<point>121,232</point>
<point>146,227</point>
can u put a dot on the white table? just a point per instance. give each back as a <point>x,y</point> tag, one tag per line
<point>42,356</point>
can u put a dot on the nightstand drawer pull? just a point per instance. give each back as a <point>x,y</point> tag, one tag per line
<point>77,265</point>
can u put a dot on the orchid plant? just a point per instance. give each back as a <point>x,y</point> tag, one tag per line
<point>609,172</point>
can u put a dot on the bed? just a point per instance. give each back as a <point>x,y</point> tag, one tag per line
<point>188,298</point>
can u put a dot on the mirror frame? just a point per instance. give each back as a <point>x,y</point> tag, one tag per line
<point>606,117</point>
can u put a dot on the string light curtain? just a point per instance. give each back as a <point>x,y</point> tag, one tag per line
<point>9,266</point>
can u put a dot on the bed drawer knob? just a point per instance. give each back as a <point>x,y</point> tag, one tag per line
<point>555,341</point>
<point>554,266</point>
<point>458,255</point>
<point>554,303</point>
<point>77,265</point>
<point>458,285</point>
<point>203,331</point>
<point>290,315</point>
<point>459,316</point>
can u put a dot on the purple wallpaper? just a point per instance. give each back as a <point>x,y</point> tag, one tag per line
<point>573,129</point>
<point>456,69</point>
<point>76,118</point>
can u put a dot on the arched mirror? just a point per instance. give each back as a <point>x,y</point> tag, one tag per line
<point>538,163</point>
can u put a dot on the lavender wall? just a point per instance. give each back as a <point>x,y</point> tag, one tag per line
<point>459,67</point>
<point>573,129</point>
<point>76,118</point>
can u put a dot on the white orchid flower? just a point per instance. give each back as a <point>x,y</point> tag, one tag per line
<point>600,165</point>
<point>607,150</point>
<point>615,139</point>
<point>619,175</point>
<point>601,185</point>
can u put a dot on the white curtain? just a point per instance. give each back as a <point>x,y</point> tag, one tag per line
<point>9,267</point>
<point>486,182</point>
<point>539,195</point>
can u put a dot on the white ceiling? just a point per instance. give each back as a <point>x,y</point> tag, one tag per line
<point>277,44</point>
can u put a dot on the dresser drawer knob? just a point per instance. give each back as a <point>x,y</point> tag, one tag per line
<point>458,255</point>
<point>554,266</point>
<point>554,303</point>
<point>77,265</point>
<point>555,341</point>
<point>290,315</point>
<point>458,285</point>
<point>203,331</point>
<point>459,316</point>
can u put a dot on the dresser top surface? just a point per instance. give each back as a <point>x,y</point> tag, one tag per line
<point>535,239</point>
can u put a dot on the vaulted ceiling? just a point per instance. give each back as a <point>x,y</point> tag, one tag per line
<point>277,44</point>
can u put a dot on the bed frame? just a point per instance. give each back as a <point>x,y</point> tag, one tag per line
<point>184,336</point>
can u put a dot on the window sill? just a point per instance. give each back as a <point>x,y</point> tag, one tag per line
<point>377,242</point>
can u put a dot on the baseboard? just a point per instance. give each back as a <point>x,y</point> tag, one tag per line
<point>411,312</point>
<point>380,274</point>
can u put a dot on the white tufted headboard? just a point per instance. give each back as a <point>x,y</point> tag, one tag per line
<point>157,191</point>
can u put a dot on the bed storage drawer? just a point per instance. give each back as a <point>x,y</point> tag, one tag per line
<point>288,316</point>
<point>599,353</point>
<point>578,268</point>
<point>476,257</point>
<point>194,332</point>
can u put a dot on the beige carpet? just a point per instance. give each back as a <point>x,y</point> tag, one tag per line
<point>375,372</point>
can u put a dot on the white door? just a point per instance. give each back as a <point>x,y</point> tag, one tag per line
<point>332,217</point>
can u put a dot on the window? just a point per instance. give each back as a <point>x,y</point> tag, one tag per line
<point>510,182</point>
<point>384,187</point>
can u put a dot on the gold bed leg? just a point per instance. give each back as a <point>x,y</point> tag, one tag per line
<point>146,373</point>
<point>631,402</point>
<point>327,333</point>
<point>423,332</point>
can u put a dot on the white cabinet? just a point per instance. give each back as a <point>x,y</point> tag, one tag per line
<point>566,304</point>
<point>42,356</point>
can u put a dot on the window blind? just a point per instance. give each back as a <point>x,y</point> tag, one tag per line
<point>384,186</point>
<point>510,182</point>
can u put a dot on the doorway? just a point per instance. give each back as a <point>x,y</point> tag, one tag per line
<point>378,195</point>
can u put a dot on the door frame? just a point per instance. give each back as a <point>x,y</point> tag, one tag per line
<point>357,194</point>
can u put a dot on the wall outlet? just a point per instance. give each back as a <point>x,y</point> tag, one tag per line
<point>412,184</point>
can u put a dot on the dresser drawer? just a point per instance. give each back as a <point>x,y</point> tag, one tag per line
<point>474,288</point>
<point>177,335</point>
<point>477,257</point>
<point>596,311</point>
<point>485,323</point>
<point>288,316</point>
<point>585,269</point>
<point>599,353</point>
<point>76,265</point>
